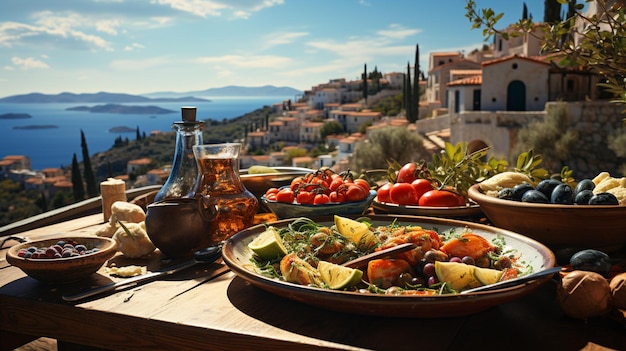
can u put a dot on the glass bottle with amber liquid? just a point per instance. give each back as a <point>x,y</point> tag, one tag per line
<point>222,189</point>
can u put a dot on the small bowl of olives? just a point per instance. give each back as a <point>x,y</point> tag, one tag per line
<point>561,220</point>
<point>62,260</point>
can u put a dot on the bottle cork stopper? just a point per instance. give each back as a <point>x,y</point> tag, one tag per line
<point>189,113</point>
<point>112,190</point>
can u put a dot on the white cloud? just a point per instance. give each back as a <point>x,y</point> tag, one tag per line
<point>284,38</point>
<point>398,32</point>
<point>133,46</point>
<point>241,9</point>
<point>259,61</point>
<point>28,63</point>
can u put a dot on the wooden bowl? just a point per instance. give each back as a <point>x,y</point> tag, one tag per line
<point>64,270</point>
<point>284,210</point>
<point>571,227</point>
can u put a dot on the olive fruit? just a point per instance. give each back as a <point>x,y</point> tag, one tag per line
<point>591,260</point>
<point>585,184</point>
<point>562,194</point>
<point>583,196</point>
<point>546,186</point>
<point>603,199</point>
<point>506,194</point>
<point>520,189</point>
<point>535,196</point>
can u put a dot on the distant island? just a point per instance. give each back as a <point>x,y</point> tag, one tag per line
<point>122,109</point>
<point>122,129</point>
<point>15,116</point>
<point>181,97</point>
<point>38,98</point>
<point>37,126</point>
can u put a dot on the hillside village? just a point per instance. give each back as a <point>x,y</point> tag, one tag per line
<point>483,98</point>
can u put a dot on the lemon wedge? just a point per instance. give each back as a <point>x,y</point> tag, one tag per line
<point>355,231</point>
<point>268,245</point>
<point>487,276</point>
<point>338,277</point>
<point>458,276</point>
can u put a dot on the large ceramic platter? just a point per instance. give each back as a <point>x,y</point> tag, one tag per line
<point>237,256</point>
<point>470,210</point>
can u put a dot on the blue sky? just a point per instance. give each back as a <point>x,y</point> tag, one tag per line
<point>136,47</point>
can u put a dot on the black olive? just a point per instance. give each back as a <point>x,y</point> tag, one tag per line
<point>535,196</point>
<point>546,186</point>
<point>585,184</point>
<point>591,260</point>
<point>562,194</point>
<point>583,196</point>
<point>506,194</point>
<point>520,189</point>
<point>604,199</point>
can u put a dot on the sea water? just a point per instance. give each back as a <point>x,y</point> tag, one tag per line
<point>54,147</point>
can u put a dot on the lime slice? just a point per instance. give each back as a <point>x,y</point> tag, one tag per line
<point>256,169</point>
<point>458,276</point>
<point>487,276</point>
<point>338,277</point>
<point>355,231</point>
<point>268,245</point>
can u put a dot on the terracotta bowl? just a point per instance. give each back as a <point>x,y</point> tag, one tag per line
<point>63,270</point>
<point>284,210</point>
<point>560,227</point>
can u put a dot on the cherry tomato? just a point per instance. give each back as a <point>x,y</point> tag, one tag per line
<point>271,191</point>
<point>403,194</point>
<point>441,198</point>
<point>421,186</point>
<point>383,193</point>
<point>271,197</point>
<point>363,183</point>
<point>321,199</point>
<point>406,174</point>
<point>336,183</point>
<point>305,197</point>
<point>285,195</point>
<point>296,183</point>
<point>337,197</point>
<point>355,193</point>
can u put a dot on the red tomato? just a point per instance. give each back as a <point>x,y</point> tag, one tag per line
<point>406,174</point>
<point>363,183</point>
<point>383,193</point>
<point>421,186</point>
<point>321,199</point>
<point>336,183</point>
<point>296,183</point>
<point>403,194</point>
<point>441,198</point>
<point>271,197</point>
<point>355,193</point>
<point>336,197</point>
<point>305,197</point>
<point>285,195</point>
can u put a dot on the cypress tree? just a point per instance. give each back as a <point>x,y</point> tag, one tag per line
<point>525,12</point>
<point>552,11</point>
<point>138,135</point>
<point>365,83</point>
<point>90,178</point>
<point>77,181</point>
<point>409,94</point>
<point>416,84</point>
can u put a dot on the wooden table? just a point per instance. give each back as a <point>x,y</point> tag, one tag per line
<point>183,312</point>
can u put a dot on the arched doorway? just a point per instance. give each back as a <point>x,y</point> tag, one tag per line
<point>516,96</point>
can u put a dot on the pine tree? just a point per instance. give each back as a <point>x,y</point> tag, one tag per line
<point>416,84</point>
<point>90,178</point>
<point>77,181</point>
